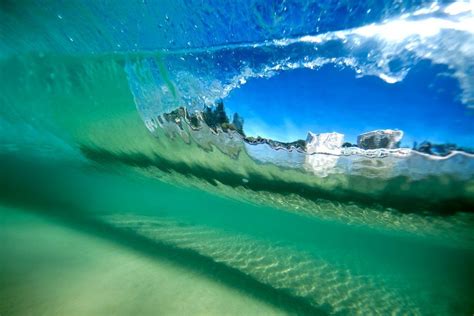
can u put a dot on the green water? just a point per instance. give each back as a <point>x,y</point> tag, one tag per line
<point>98,216</point>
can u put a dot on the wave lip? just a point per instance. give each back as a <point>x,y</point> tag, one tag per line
<point>442,34</point>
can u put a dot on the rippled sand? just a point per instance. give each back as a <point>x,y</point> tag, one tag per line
<point>334,281</point>
<point>48,269</point>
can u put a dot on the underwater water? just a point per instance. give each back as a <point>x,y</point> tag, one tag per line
<point>248,158</point>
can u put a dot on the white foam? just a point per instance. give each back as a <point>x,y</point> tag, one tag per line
<point>459,7</point>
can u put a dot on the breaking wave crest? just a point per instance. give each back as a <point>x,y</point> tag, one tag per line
<point>387,49</point>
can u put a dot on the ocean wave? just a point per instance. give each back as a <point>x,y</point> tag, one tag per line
<point>118,130</point>
<point>101,124</point>
<point>85,106</point>
<point>192,77</point>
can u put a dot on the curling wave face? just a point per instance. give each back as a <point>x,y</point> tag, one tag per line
<point>199,77</point>
<point>387,49</point>
<point>54,104</point>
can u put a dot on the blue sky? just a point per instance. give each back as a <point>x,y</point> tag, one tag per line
<point>425,105</point>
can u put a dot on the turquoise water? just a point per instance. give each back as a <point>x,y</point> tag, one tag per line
<point>111,203</point>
